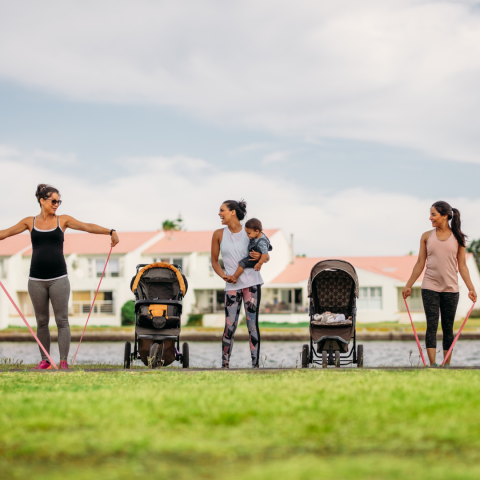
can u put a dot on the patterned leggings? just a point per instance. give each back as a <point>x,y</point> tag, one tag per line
<point>233,303</point>
<point>435,303</point>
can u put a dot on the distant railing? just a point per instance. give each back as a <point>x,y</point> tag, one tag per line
<point>282,307</point>
<point>102,307</point>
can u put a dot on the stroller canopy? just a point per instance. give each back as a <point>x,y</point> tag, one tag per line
<point>159,281</point>
<point>332,266</point>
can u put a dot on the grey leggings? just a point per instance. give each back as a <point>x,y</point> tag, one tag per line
<point>58,292</point>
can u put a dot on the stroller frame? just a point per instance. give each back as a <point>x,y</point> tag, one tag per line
<point>182,357</point>
<point>316,357</point>
<point>323,354</point>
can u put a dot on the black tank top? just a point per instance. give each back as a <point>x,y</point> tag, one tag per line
<point>48,261</point>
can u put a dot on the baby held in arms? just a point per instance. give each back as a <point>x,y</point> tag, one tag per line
<point>258,243</point>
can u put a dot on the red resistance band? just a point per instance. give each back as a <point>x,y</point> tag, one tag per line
<point>91,308</point>
<point>29,327</point>
<point>458,334</point>
<point>415,333</point>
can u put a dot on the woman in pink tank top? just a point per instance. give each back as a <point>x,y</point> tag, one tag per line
<point>443,250</point>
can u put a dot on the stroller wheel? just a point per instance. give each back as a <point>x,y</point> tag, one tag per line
<point>360,356</point>
<point>337,359</point>
<point>153,357</point>
<point>305,352</point>
<point>324,359</point>
<point>185,355</point>
<point>128,355</point>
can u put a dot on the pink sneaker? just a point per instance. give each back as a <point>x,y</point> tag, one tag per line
<point>43,365</point>
<point>63,365</point>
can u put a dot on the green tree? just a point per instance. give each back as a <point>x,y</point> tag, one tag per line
<point>128,313</point>
<point>474,248</point>
<point>175,225</point>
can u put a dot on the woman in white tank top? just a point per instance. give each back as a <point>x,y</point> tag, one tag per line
<point>232,241</point>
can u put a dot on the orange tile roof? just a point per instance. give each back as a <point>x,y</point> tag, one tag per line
<point>187,242</point>
<point>399,268</point>
<point>13,245</point>
<point>87,244</point>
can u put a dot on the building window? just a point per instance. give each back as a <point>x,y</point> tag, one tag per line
<point>25,304</point>
<point>415,303</point>
<point>82,302</point>
<point>178,262</point>
<point>172,261</point>
<point>277,300</point>
<point>113,267</point>
<point>370,298</point>
<point>209,301</point>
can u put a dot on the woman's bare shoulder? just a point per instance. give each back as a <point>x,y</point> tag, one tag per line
<point>426,235</point>
<point>218,233</point>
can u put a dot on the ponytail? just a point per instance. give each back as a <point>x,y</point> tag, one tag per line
<point>443,208</point>
<point>456,227</point>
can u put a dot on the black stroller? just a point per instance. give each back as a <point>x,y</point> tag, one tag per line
<point>332,287</point>
<point>159,289</point>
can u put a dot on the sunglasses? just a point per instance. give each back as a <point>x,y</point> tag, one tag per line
<point>56,202</point>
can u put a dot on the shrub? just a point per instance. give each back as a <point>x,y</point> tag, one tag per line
<point>195,320</point>
<point>475,313</point>
<point>128,313</point>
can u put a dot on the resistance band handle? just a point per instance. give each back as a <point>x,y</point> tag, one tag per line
<point>30,328</point>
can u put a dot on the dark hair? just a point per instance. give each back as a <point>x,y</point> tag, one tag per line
<point>443,208</point>
<point>45,191</point>
<point>254,224</point>
<point>239,207</point>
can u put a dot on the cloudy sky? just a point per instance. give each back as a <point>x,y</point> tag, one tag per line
<point>340,122</point>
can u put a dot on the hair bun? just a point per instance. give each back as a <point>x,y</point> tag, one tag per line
<point>243,205</point>
<point>45,191</point>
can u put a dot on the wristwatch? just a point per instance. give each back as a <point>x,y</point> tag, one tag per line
<point>111,231</point>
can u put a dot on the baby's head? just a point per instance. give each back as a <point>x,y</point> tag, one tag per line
<point>253,228</point>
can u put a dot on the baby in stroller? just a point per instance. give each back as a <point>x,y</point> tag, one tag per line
<point>258,243</point>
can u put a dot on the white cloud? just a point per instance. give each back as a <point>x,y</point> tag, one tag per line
<point>403,72</point>
<point>275,157</point>
<point>351,222</point>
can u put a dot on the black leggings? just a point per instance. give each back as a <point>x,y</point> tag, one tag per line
<point>435,303</point>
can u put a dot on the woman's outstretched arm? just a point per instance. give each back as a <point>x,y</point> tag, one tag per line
<point>75,224</point>
<point>419,266</point>
<point>463,269</point>
<point>16,229</point>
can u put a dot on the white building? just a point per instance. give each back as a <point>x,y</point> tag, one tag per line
<point>284,294</point>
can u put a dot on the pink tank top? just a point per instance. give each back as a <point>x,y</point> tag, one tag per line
<point>441,274</point>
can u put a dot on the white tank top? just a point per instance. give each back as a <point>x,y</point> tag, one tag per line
<point>234,247</point>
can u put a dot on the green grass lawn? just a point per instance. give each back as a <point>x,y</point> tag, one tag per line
<point>224,425</point>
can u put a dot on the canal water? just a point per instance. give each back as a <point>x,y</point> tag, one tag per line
<point>273,354</point>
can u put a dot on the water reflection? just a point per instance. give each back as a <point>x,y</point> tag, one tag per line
<point>273,354</point>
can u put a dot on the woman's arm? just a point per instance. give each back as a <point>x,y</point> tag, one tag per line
<point>419,266</point>
<point>216,239</point>
<point>463,269</point>
<point>74,224</point>
<point>16,229</point>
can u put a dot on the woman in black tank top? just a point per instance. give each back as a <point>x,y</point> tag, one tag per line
<point>48,279</point>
